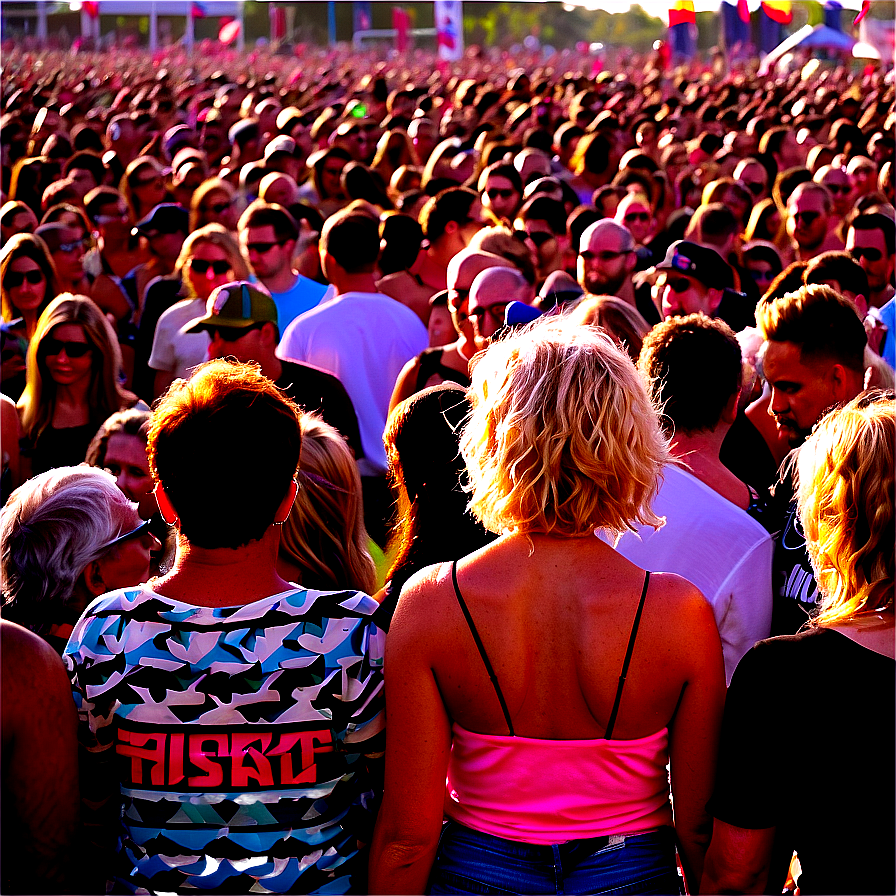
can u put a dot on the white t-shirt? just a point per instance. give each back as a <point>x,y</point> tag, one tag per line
<point>717,546</point>
<point>364,339</point>
<point>172,349</point>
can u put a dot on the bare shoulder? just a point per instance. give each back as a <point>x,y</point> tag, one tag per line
<point>423,607</point>
<point>18,644</point>
<point>678,605</point>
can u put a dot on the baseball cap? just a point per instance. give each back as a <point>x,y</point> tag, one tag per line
<point>700,262</point>
<point>166,217</point>
<point>238,304</point>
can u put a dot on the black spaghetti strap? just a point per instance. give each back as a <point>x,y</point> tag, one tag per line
<point>628,658</point>
<point>480,647</point>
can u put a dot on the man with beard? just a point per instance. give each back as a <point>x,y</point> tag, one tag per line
<point>813,361</point>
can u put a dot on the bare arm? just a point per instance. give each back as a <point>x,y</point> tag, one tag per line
<point>738,859</point>
<point>406,384</point>
<point>417,748</point>
<point>40,766</point>
<point>695,738</point>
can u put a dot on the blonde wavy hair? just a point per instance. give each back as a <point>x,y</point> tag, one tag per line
<point>845,483</point>
<point>563,438</point>
<point>325,534</point>
<point>215,235</point>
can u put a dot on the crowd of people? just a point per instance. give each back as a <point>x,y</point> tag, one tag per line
<point>446,481</point>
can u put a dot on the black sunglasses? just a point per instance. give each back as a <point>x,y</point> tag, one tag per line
<point>53,346</point>
<point>870,253</point>
<point>263,248</point>
<point>139,532</point>
<point>637,216</point>
<point>201,266</point>
<point>679,285</point>
<point>14,279</point>
<point>754,186</point>
<point>217,208</point>
<point>232,334</point>
<point>496,193</point>
<point>808,217</point>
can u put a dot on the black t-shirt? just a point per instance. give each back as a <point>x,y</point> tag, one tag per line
<point>746,453</point>
<point>314,389</point>
<point>808,747</point>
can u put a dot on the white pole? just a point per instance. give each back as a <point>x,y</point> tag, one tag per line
<point>86,25</point>
<point>153,27</point>
<point>189,33</point>
<point>241,37</point>
<point>42,21</point>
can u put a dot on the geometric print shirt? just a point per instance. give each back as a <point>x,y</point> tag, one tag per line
<point>225,749</point>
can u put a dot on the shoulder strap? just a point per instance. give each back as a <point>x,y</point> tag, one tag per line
<point>481,648</point>
<point>628,658</point>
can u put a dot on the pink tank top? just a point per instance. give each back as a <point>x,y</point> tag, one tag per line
<point>550,791</point>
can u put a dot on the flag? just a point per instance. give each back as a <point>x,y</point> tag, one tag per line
<point>230,29</point>
<point>91,7</point>
<point>779,11</point>
<point>449,29</point>
<point>197,10</point>
<point>362,16</point>
<point>743,11</point>
<point>400,22</point>
<point>277,15</point>
<point>681,12</point>
<point>866,5</point>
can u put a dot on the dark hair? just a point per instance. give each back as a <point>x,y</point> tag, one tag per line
<point>453,204</point>
<point>269,214</point>
<point>839,266</point>
<point>693,367</point>
<point>86,161</point>
<point>27,245</point>
<point>789,280</point>
<point>352,239</point>
<point>98,198</point>
<point>400,237</point>
<point>224,445</point>
<point>824,324</point>
<point>543,208</point>
<point>428,474</point>
<point>131,422</point>
<point>877,221</point>
<point>501,169</point>
<point>361,182</point>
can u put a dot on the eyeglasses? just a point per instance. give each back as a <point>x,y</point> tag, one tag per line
<point>333,172</point>
<point>870,253</point>
<point>807,217</point>
<point>539,237</point>
<point>139,532</point>
<point>14,279</point>
<point>643,217</point>
<point>111,219</point>
<point>263,248</point>
<point>218,208</point>
<point>679,284</point>
<point>496,193</point>
<point>754,186</point>
<point>54,347</point>
<point>201,266</point>
<point>839,189</point>
<point>605,255</point>
<point>71,247</point>
<point>495,312</point>
<point>232,334</point>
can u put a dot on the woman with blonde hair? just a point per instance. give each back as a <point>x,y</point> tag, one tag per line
<point>837,677</point>
<point>72,383</point>
<point>209,258</point>
<point>323,544</point>
<point>549,679</point>
<point>767,223</point>
<point>213,203</point>
<point>143,186</point>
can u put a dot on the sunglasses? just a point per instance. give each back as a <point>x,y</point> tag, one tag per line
<point>139,532</point>
<point>495,312</point>
<point>539,237</point>
<point>54,347</point>
<point>841,189</point>
<point>606,255</point>
<point>807,217</point>
<point>496,193</point>
<point>217,208</point>
<point>71,247</point>
<point>263,248</point>
<point>870,253</point>
<point>232,334</point>
<point>201,266</point>
<point>111,219</point>
<point>754,186</point>
<point>679,285</point>
<point>14,279</point>
<point>643,217</point>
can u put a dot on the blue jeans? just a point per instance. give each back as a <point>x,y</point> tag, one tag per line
<point>469,861</point>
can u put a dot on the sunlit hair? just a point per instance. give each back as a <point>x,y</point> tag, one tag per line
<point>325,534</point>
<point>51,528</point>
<point>623,322</point>
<point>199,214</point>
<point>26,245</point>
<point>224,444</point>
<point>563,438</point>
<point>104,395</point>
<point>845,481</point>
<point>215,235</point>
<point>126,185</point>
<point>132,422</point>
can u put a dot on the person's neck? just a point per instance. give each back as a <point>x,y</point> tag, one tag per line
<point>880,297</point>
<point>282,281</point>
<point>466,348</point>
<point>432,271</point>
<point>365,282</point>
<point>222,577</point>
<point>626,292</point>
<point>30,318</point>
<point>699,453</point>
<point>270,366</point>
<point>73,395</point>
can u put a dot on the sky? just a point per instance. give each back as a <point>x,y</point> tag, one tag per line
<point>660,8</point>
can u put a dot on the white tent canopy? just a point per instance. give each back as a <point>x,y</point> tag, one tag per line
<point>819,36</point>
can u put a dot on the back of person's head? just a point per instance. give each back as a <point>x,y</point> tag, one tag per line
<point>429,477</point>
<point>269,214</point>
<point>563,438</point>
<point>352,239</point>
<point>712,225</point>
<point>616,317</point>
<point>845,485</point>
<point>839,267</point>
<point>325,535</point>
<point>224,445</point>
<point>400,240</point>
<point>453,204</point>
<point>823,323</point>
<point>51,528</point>
<point>692,366</point>
<point>789,280</point>
<point>499,240</point>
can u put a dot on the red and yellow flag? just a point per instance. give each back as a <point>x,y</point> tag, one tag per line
<point>681,12</point>
<point>780,11</point>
